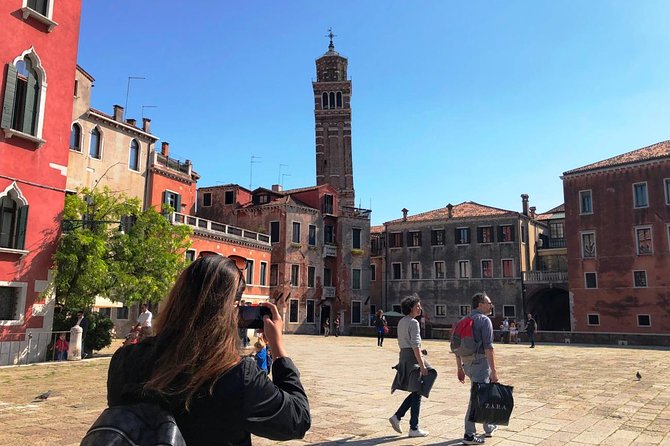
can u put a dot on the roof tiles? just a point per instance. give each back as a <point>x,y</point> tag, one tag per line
<point>654,151</point>
<point>467,209</point>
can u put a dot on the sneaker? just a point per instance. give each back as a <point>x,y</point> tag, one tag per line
<point>395,423</point>
<point>490,434</point>
<point>472,439</point>
<point>417,433</point>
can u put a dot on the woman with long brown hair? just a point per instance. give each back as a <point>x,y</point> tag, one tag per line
<point>193,367</point>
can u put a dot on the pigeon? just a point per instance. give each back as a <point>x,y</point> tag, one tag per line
<point>638,376</point>
<point>43,396</point>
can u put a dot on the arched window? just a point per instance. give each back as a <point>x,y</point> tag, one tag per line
<point>134,158</point>
<point>94,144</point>
<point>339,99</point>
<point>75,137</point>
<point>21,100</point>
<point>324,101</point>
<point>13,220</point>
<point>332,99</point>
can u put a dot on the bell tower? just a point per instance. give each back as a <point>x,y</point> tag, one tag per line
<point>332,115</point>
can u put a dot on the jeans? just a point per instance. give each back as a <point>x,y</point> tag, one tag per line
<point>531,338</point>
<point>413,403</point>
<point>380,338</point>
<point>478,371</point>
<point>61,356</point>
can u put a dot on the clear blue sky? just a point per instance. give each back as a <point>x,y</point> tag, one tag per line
<point>452,101</point>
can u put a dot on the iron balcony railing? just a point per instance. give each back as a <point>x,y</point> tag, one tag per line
<point>545,276</point>
<point>218,228</point>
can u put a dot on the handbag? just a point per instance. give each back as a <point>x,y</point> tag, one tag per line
<point>491,403</point>
<point>386,329</point>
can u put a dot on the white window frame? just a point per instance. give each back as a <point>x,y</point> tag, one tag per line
<point>20,303</point>
<point>637,317</point>
<point>81,137</point>
<point>313,269</point>
<point>263,281</point>
<point>464,310</point>
<point>410,239</point>
<point>581,244</point>
<point>316,235</point>
<point>467,232</point>
<point>360,312</point>
<point>139,156</point>
<point>581,193</point>
<point>502,266</point>
<point>360,279</point>
<point>586,287</point>
<point>666,190</point>
<point>45,19</point>
<point>101,143</point>
<point>393,270</point>
<point>440,310</point>
<point>297,304</point>
<point>307,313</point>
<point>646,195</point>
<point>249,272</point>
<point>468,270</point>
<point>411,271</point>
<point>297,276</point>
<point>293,223</point>
<point>588,323</point>
<point>481,266</point>
<point>651,240</point>
<point>646,278</point>
<point>444,269</point>
<point>493,232</point>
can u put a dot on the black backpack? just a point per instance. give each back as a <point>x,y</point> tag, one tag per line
<point>141,424</point>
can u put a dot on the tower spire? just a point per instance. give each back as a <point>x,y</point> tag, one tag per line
<point>330,35</point>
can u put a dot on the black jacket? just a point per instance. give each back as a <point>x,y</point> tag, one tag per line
<point>244,400</point>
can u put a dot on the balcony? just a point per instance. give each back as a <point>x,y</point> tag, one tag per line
<point>329,250</point>
<point>173,164</point>
<point>356,212</point>
<point>545,276</point>
<point>216,228</point>
<point>551,243</point>
<point>328,292</point>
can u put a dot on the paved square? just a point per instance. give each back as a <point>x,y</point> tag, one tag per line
<point>564,395</point>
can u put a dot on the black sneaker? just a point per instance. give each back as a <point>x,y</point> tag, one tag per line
<point>472,439</point>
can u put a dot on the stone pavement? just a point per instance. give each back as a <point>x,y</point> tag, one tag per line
<point>564,395</point>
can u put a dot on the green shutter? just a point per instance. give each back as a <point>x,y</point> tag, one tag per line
<point>177,203</point>
<point>164,197</point>
<point>8,101</point>
<point>21,227</point>
<point>30,109</point>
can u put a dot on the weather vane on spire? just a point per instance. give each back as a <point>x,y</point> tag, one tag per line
<point>330,35</point>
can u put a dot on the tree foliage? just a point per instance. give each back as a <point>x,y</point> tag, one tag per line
<point>94,258</point>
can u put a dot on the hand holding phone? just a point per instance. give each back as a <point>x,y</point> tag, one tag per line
<point>251,316</point>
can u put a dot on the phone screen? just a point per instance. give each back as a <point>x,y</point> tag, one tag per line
<point>251,316</point>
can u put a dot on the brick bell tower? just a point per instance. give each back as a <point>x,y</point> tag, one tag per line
<point>332,115</point>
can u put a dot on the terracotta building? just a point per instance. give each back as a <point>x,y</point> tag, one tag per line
<point>38,55</point>
<point>617,217</point>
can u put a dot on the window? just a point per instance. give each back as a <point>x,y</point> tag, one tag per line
<point>296,232</point>
<point>76,88</point>
<point>397,271</point>
<point>639,279</point>
<point>462,236</point>
<point>12,301</point>
<point>134,156</point>
<point>464,310</point>
<point>327,277</point>
<point>40,6</point>
<point>437,237</point>
<point>396,308</point>
<point>640,198</point>
<point>311,235</point>
<point>122,313</point>
<point>262,199</point>
<point>593,319</point>
<point>327,204</point>
<point>415,269</point>
<point>207,199</point>
<point>439,270</point>
<point>94,144</point>
<point>356,279</point>
<point>588,244</point>
<point>172,199</point>
<point>414,238</point>
<point>485,234</point>
<point>395,240</point>
<point>590,280</point>
<point>324,100</point>
<point>274,232</point>
<point>508,268</point>
<point>105,312</point>
<point>23,99</point>
<point>250,272</point>
<point>190,255</point>
<point>75,137</point>
<point>263,275</point>
<point>339,99</point>
<point>356,307</point>
<point>13,220</point>
<point>643,240</point>
<point>274,274</point>
<point>463,269</point>
<point>487,269</point>
<point>229,197</point>
<point>309,316</point>
<point>556,230</point>
<point>293,311</point>
<point>506,233</point>
<point>585,202</point>
<point>509,311</point>
<point>373,272</point>
<point>295,271</point>
<point>356,238</point>
<point>328,234</point>
<point>311,273</point>
<point>666,183</point>
<point>643,320</point>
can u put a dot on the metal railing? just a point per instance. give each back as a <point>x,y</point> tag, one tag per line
<point>28,347</point>
<point>218,228</point>
<point>329,291</point>
<point>330,250</point>
<point>545,276</point>
<point>172,163</point>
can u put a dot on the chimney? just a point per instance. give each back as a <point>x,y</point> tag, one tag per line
<point>165,148</point>
<point>524,203</point>
<point>146,125</point>
<point>118,113</point>
<point>450,208</point>
<point>277,188</point>
<point>131,121</point>
<point>404,214</point>
<point>532,212</point>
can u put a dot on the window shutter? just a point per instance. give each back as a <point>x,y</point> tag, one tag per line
<point>500,234</point>
<point>480,235</point>
<point>513,232</point>
<point>8,101</point>
<point>457,240</point>
<point>165,200</point>
<point>177,203</point>
<point>21,228</point>
<point>30,109</point>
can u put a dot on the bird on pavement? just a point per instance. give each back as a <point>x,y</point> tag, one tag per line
<point>43,396</point>
<point>638,376</point>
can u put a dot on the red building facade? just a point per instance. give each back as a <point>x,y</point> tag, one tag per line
<point>617,217</point>
<point>39,50</point>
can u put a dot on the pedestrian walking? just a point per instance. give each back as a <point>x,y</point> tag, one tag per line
<point>531,328</point>
<point>381,326</point>
<point>326,327</point>
<point>337,325</point>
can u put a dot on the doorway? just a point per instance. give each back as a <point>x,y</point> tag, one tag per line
<point>325,314</point>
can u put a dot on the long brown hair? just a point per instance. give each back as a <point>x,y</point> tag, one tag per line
<point>196,331</point>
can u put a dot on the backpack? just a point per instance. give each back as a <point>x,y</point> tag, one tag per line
<point>141,424</point>
<point>463,343</point>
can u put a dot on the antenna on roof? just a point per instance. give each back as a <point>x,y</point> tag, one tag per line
<point>251,168</point>
<point>279,176</point>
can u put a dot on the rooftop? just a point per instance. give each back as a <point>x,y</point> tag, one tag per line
<point>467,209</point>
<point>652,152</point>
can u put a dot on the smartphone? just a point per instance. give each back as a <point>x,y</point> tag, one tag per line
<point>251,316</point>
